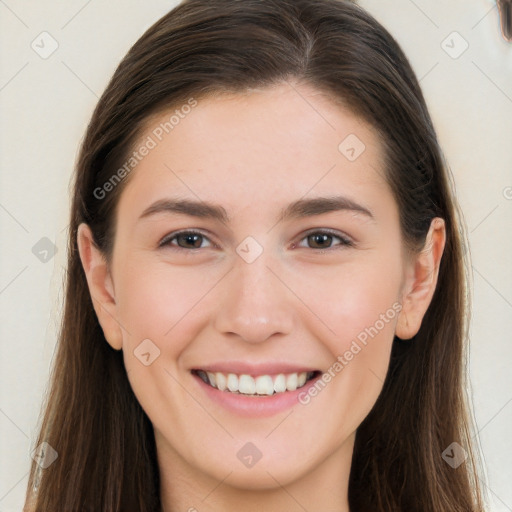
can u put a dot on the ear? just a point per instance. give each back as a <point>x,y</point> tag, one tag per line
<point>421,280</point>
<point>100,286</point>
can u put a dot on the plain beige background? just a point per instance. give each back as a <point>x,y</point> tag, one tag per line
<point>465,69</point>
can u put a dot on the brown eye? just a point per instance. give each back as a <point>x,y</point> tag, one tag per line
<point>320,240</point>
<point>324,240</point>
<point>189,239</point>
<point>184,239</point>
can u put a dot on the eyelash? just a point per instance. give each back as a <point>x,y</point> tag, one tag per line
<point>344,240</point>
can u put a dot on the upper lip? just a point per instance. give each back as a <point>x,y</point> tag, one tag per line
<point>260,368</point>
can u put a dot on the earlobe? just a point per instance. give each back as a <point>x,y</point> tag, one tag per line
<point>421,281</point>
<point>101,286</point>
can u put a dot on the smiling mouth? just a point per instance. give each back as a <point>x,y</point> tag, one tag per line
<point>262,385</point>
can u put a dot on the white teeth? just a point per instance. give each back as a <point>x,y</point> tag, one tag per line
<point>263,385</point>
<point>291,382</point>
<point>232,382</point>
<point>211,378</point>
<point>222,382</point>
<point>280,383</point>
<point>246,385</point>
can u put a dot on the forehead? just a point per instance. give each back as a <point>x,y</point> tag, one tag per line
<point>266,146</point>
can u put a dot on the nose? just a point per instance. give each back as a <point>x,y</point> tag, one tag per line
<point>255,304</point>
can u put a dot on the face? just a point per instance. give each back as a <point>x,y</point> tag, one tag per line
<point>259,247</point>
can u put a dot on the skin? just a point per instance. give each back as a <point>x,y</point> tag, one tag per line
<point>254,154</point>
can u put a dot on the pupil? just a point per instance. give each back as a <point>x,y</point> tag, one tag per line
<point>191,239</point>
<point>320,238</point>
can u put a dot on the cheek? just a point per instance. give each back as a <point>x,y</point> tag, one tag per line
<point>353,300</point>
<point>157,300</point>
<point>160,308</point>
<point>360,308</point>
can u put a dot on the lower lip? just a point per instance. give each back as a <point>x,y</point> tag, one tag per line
<point>255,406</point>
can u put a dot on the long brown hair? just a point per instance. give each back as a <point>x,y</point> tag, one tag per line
<point>106,450</point>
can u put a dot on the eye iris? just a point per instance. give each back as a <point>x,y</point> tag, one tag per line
<point>190,239</point>
<point>319,237</point>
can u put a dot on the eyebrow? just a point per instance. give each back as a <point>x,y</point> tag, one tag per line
<point>298,209</point>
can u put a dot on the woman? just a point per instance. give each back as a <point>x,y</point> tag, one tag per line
<point>266,301</point>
